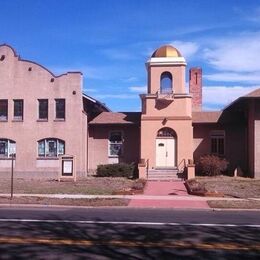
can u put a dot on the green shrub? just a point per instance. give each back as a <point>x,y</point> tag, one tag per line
<point>116,170</point>
<point>211,165</point>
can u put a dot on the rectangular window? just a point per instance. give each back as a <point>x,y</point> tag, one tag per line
<point>3,109</point>
<point>60,108</point>
<point>7,148</point>
<point>18,109</point>
<point>116,143</point>
<point>218,142</point>
<point>43,109</point>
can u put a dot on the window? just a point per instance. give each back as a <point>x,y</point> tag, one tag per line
<point>218,142</point>
<point>116,143</point>
<point>51,147</point>
<point>43,109</point>
<point>166,83</point>
<point>166,132</point>
<point>60,108</point>
<point>18,109</point>
<point>3,109</point>
<point>7,148</point>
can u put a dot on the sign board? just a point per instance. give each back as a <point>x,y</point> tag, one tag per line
<point>67,167</point>
<point>67,170</point>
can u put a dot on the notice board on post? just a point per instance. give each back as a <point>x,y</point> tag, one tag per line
<point>67,170</point>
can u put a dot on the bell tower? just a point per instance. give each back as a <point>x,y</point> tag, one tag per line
<point>166,122</point>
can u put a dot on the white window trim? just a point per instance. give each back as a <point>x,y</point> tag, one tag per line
<point>8,147</point>
<point>109,143</point>
<point>46,140</point>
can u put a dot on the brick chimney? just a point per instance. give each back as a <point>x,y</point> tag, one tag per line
<point>195,86</point>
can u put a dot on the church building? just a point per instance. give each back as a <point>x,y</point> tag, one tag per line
<point>44,117</point>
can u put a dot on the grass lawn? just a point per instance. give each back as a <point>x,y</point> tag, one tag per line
<point>91,185</point>
<point>231,187</point>
<point>65,202</point>
<point>235,187</point>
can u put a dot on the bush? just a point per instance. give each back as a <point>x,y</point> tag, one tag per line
<point>211,165</point>
<point>116,170</point>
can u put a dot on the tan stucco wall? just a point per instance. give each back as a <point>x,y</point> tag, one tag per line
<point>98,144</point>
<point>235,143</point>
<point>178,75</point>
<point>183,129</point>
<point>17,82</point>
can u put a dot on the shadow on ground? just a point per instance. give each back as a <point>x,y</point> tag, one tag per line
<point>149,242</point>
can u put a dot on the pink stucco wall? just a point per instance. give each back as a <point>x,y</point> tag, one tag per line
<point>98,144</point>
<point>29,81</point>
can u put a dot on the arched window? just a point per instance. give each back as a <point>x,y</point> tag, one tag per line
<point>7,148</point>
<point>166,83</point>
<point>51,147</point>
<point>166,132</point>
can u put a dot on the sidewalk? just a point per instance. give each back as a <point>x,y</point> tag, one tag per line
<point>174,191</point>
<point>157,194</point>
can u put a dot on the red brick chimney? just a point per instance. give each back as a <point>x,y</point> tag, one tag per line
<point>195,85</point>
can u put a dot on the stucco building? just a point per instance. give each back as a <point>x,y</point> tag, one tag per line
<point>43,116</point>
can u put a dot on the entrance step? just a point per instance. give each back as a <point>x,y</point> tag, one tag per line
<point>164,174</point>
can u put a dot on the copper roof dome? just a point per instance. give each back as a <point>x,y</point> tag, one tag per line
<point>166,51</point>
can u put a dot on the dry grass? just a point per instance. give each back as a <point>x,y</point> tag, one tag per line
<point>234,204</point>
<point>236,187</point>
<point>65,202</point>
<point>91,185</point>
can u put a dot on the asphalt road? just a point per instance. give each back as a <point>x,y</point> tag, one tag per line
<point>118,233</point>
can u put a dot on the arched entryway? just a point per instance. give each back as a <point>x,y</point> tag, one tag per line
<point>166,148</point>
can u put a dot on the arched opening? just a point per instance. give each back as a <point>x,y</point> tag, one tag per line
<point>166,83</point>
<point>166,148</point>
<point>51,147</point>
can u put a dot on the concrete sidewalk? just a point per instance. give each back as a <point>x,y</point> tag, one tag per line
<point>168,189</point>
<point>157,194</point>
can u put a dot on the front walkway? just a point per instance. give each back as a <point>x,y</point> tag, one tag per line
<point>168,189</point>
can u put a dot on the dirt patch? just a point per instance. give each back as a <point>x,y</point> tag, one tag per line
<point>90,185</point>
<point>234,204</point>
<point>235,187</point>
<point>66,202</point>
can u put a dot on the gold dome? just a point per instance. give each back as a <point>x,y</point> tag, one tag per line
<point>166,51</point>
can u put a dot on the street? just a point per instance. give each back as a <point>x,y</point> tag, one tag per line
<point>117,233</point>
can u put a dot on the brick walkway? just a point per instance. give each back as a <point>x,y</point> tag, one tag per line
<point>167,188</point>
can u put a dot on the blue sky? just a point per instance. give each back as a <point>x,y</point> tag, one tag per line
<point>110,40</point>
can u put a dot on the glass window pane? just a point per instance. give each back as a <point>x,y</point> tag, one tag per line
<point>60,108</point>
<point>3,109</point>
<point>3,148</point>
<point>61,148</point>
<point>52,148</point>
<point>43,108</point>
<point>115,149</point>
<point>41,148</point>
<point>18,109</point>
<point>115,137</point>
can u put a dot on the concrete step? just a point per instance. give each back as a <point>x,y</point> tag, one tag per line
<point>163,174</point>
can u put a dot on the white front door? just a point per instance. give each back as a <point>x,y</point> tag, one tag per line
<point>165,152</point>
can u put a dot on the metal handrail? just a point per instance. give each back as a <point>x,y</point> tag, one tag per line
<point>147,168</point>
<point>182,162</point>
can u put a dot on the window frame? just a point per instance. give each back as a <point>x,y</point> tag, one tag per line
<point>118,143</point>
<point>18,117</point>
<point>62,118</point>
<point>11,144</point>
<point>219,137</point>
<point>40,101</point>
<point>46,148</point>
<point>4,117</point>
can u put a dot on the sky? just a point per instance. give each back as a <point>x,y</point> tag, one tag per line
<point>109,41</point>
